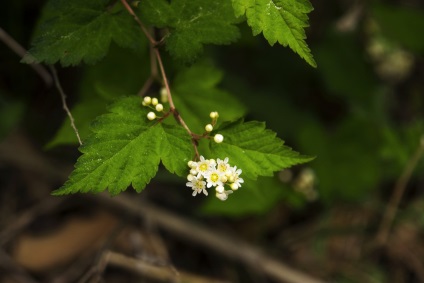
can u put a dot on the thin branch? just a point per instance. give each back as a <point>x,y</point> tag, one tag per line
<point>137,19</point>
<point>398,191</point>
<point>146,86</point>
<point>219,242</point>
<point>65,106</point>
<point>20,51</point>
<point>100,260</point>
<point>154,75</point>
<point>158,273</point>
<point>154,48</point>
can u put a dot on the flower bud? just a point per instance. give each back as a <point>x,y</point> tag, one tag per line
<point>220,189</point>
<point>218,138</point>
<point>155,101</point>
<point>214,115</point>
<point>151,116</point>
<point>147,100</point>
<point>208,128</point>
<point>159,107</point>
<point>190,177</point>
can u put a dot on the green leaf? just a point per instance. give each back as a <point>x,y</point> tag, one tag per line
<point>191,24</point>
<point>196,94</point>
<point>254,149</point>
<point>125,149</point>
<point>279,20</point>
<point>79,30</point>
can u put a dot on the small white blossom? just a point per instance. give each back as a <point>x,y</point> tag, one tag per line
<point>203,167</point>
<point>213,178</point>
<point>235,178</point>
<point>222,166</point>
<point>198,186</point>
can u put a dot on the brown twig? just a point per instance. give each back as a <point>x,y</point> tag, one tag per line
<point>153,73</point>
<point>158,273</point>
<point>146,86</point>
<point>20,51</point>
<point>137,19</point>
<point>100,261</point>
<point>154,48</point>
<point>64,104</point>
<point>232,248</point>
<point>398,191</point>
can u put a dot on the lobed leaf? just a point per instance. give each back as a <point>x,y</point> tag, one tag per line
<point>281,21</point>
<point>192,24</point>
<point>81,31</point>
<point>254,149</point>
<point>125,149</point>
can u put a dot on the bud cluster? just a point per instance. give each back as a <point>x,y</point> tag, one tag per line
<point>207,173</point>
<point>218,138</point>
<point>154,104</point>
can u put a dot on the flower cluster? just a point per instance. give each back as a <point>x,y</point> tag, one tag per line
<point>207,173</point>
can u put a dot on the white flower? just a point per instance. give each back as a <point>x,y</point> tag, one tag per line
<point>203,167</point>
<point>198,186</point>
<point>224,195</point>
<point>235,178</point>
<point>222,165</point>
<point>213,178</point>
<point>207,173</point>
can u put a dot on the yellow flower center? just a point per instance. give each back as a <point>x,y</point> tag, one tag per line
<point>222,167</point>
<point>203,167</point>
<point>214,177</point>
